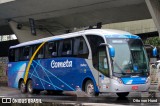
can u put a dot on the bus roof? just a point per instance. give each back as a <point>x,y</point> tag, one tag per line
<point>110,33</point>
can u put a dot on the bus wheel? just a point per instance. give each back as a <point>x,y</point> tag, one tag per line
<point>22,87</point>
<point>123,94</point>
<point>89,88</point>
<point>30,87</point>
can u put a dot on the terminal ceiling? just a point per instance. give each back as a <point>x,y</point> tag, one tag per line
<point>67,14</point>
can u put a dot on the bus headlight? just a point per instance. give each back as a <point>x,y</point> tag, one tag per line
<point>148,80</point>
<point>117,79</point>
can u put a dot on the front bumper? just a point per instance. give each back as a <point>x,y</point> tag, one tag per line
<point>117,87</point>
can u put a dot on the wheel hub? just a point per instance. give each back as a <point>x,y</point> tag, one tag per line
<point>23,87</point>
<point>90,89</point>
<point>30,88</point>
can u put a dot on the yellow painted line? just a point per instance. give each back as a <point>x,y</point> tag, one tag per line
<point>30,62</point>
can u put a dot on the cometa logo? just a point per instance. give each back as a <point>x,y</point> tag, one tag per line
<point>61,64</point>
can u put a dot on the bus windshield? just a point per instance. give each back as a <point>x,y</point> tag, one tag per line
<point>130,57</point>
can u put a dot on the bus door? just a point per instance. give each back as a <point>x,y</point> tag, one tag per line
<point>103,70</point>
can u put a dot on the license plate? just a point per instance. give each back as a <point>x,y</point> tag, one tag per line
<point>134,87</point>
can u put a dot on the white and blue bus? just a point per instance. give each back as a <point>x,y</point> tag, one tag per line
<point>95,61</point>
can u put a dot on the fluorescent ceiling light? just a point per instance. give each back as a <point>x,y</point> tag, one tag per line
<point>13,36</point>
<point>5,1</point>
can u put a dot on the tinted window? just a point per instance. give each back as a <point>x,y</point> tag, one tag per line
<point>65,48</point>
<point>21,54</point>
<point>40,53</point>
<point>80,48</point>
<point>103,62</point>
<point>94,42</point>
<point>51,49</point>
<point>34,48</point>
<point>26,53</point>
<point>11,55</point>
<point>17,54</point>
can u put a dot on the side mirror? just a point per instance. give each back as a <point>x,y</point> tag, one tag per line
<point>111,51</point>
<point>154,52</point>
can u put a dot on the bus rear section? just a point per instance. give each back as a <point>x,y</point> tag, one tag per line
<point>55,66</point>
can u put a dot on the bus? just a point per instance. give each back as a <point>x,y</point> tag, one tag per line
<point>94,61</point>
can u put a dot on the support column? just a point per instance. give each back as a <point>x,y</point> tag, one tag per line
<point>154,8</point>
<point>24,34</point>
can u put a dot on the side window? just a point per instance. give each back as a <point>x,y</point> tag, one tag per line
<point>80,48</point>
<point>65,47</point>
<point>21,54</point>
<point>51,49</point>
<point>34,48</point>
<point>17,54</point>
<point>40,53</point>
<point>12,55</point>
<point>26,53</point>
<point>103,62</point>
<point>94,42</point>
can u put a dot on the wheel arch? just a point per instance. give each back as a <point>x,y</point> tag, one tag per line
<point>94,82</point>
<point>84,82</point>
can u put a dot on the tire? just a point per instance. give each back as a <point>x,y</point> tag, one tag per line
<point>123,94</point>
<point>90,89</point>
<point>22,87</point>
<point>30,87</point>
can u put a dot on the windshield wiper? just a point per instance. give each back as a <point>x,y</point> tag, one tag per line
<point>119,68</point>
<point>117,72</point>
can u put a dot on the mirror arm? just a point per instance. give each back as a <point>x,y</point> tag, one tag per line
<point>103,44</point>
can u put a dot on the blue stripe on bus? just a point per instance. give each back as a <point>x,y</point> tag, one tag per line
<point>123,36</point>
<point>134,80</point>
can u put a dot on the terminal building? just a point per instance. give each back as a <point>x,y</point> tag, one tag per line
<point>143,28</point>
